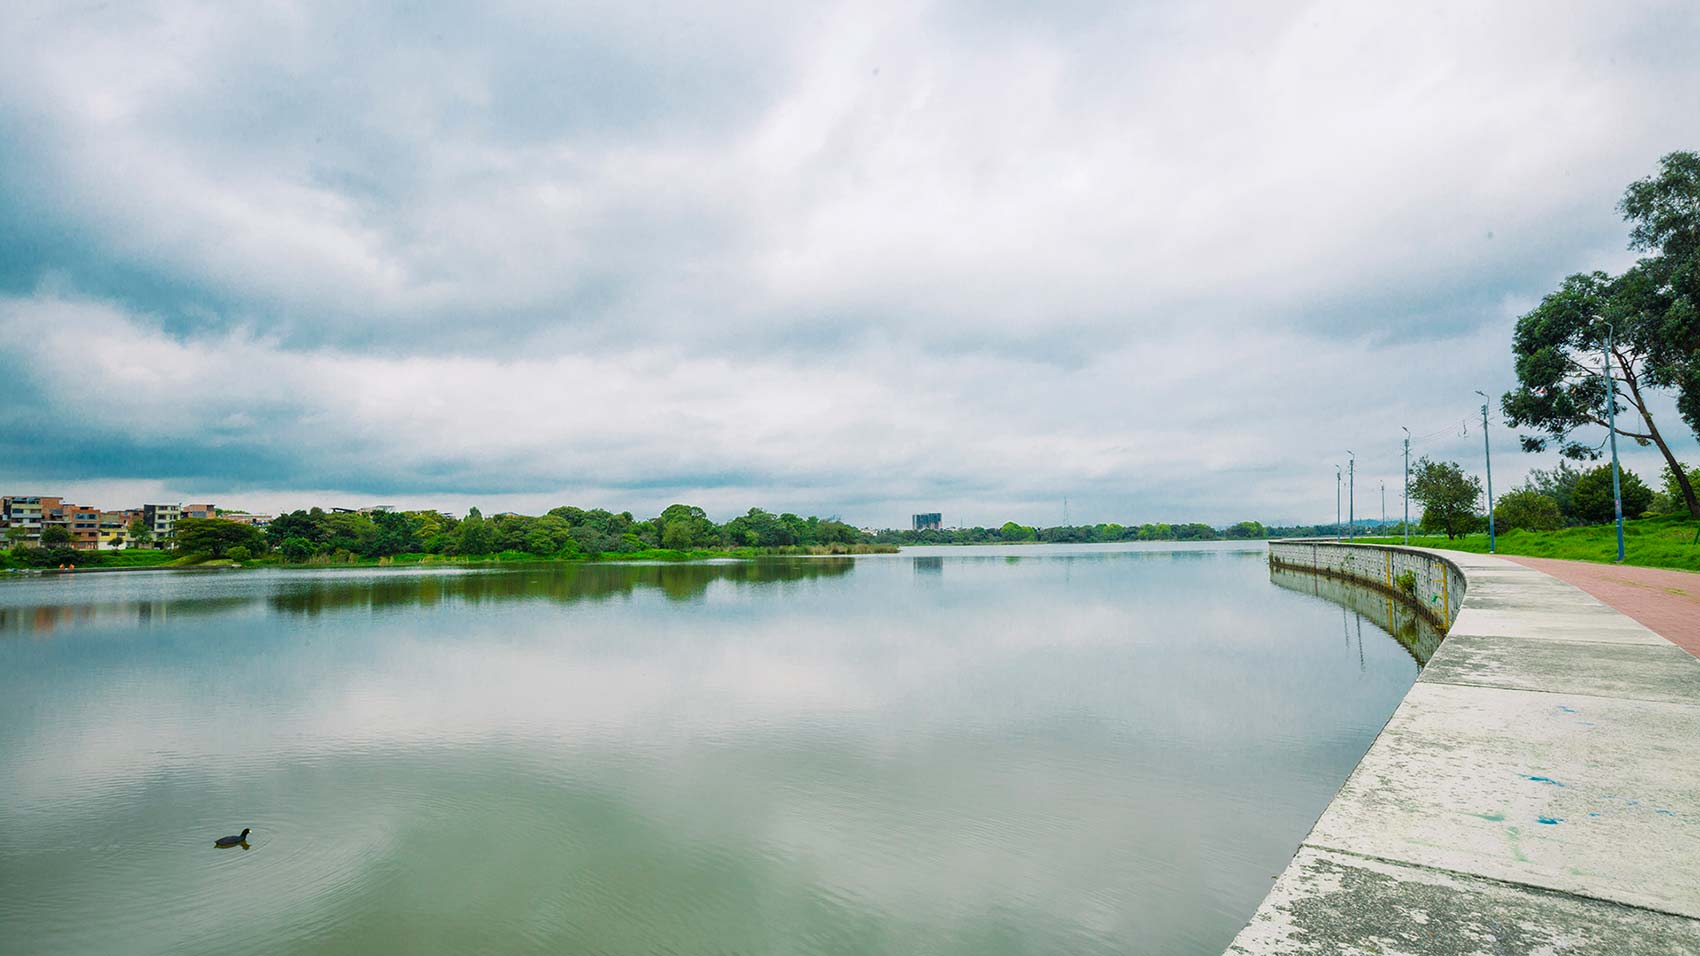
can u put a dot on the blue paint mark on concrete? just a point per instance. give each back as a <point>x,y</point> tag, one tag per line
<point>1593,814</point>
<point>1667,813</point>
<point>1544,780</point>
<point>1568,710</point>
<point>1549,820</point>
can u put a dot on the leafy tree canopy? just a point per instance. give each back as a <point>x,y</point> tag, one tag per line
<point>1448,496</point>
<point>1669,497</point>
<point>1594,501</point>
<point>1558,484</point>
<point>216,537</point>
<point>139,533</point>
<point>1653,312</point>
<point>1527,510</point>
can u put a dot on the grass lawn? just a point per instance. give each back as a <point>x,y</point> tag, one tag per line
<point>136,558</point>
<point>1666,541</point>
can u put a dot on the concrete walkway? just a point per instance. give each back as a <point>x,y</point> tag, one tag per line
<point>1538,791</point>
<point>1666,601</point>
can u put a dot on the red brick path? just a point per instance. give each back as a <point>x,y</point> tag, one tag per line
<point>1666,601</point>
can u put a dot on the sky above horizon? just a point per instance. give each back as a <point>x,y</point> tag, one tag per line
<point>1166,262</point>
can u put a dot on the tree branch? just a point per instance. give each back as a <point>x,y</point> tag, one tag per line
<point>1620,430</point>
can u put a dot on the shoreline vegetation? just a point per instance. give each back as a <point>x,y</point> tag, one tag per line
<point>316,538</point>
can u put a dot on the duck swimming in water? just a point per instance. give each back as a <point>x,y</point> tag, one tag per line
<point>241,838</point>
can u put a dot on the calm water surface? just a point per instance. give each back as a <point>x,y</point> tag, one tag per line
<point>953,750</point>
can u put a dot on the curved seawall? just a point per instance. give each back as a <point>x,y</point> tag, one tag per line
<point>1537,791</point>
<point>1427,581</point>
<point>1410,629</point>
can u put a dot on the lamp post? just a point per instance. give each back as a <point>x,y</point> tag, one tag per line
<point>1383,507</point>
<point>1487,453</point>
<point>1351,494</point>
<point>1611,427</point>
<point>1336,502</point>
<point>1407,484</point>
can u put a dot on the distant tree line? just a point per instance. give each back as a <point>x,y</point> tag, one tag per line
<point>316,535</point>
<point>1649,318</point>
<point>1012,533</point>
<point>563,532</point>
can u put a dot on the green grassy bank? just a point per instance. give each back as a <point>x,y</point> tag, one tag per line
<point>1666,541</point>
<point>15,560</point>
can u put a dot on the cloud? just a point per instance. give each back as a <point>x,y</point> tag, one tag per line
<point>860,259</point>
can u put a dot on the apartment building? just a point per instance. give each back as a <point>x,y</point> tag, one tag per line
<point>92,529</point>
<point>83,523</point>
<point>34,514</point>
<point>25,512</point>
<point>115,528</point>
<point>161,520</point>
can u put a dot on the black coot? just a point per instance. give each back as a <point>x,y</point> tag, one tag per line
<point>233,840</point>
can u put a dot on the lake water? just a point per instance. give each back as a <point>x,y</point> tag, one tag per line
<point>954,750</point>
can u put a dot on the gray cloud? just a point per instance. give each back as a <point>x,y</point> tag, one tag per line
<point>1166,261</point>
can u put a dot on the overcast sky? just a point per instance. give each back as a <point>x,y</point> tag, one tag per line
<point>1166,261</point>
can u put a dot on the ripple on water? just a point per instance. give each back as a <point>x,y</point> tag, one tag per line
<point>160,885</point>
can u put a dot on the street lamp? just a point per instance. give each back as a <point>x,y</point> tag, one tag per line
<point>1488,453</point>
<point>1407,484</point>
<point>1351,494</point>
<point>1611,428</point>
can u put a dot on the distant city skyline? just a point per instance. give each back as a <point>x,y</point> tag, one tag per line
<point>865,260</point>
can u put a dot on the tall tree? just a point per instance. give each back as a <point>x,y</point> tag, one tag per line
<point>474,534</point>
<point>1593,495</point>
<point>1448,496</point>
<point>140,534</point>
<point>1655,323</point>
<point>217,536</point>
<point>1526,508</point>
<point>1558,483</point>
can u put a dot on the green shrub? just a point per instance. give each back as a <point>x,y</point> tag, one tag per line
<point>1592,496</point>
<point>1526,508</point>
<point>239,553</point>
<point>53,557</point>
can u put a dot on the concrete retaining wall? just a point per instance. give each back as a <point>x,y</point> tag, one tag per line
<point>1435,585</point>
<point>1398,616</point>
<point>1536,792</point>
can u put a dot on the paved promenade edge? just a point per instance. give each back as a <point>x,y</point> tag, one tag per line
<point>1537,791</point>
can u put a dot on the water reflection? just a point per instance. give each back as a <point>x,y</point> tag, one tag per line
<point>560,584</point>
<point>1081,751</point>
<point>1395,618</point>
<point>39,607</point>
<point>44,619</point>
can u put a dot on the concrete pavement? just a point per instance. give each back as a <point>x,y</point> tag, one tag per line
<point>1538,791</point>
<point>1665,600</point>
